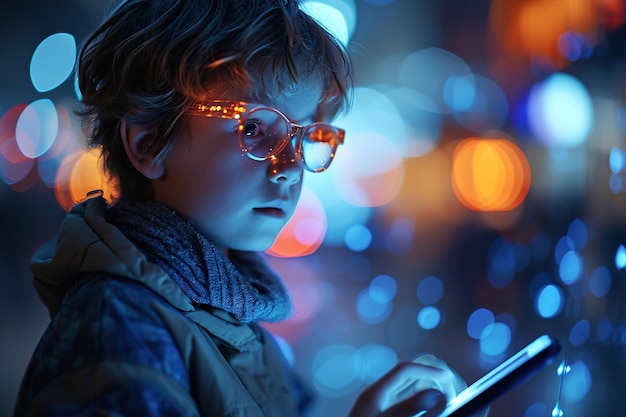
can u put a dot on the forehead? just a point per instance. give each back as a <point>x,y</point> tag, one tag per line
<point>301,105</point>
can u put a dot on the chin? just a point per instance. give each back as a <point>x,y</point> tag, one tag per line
<point>257,245</point>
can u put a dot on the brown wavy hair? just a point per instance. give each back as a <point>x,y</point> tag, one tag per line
<point>150,59</point>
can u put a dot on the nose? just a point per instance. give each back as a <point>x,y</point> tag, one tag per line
<point>284,167</point>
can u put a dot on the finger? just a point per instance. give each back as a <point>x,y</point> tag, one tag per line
<point>451,385</point>
<point>429,402</point>
<point>396,382</point>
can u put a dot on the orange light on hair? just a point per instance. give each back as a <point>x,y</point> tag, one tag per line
<point>305,231</point>
<point>80,173</point>
<point>490,174</point>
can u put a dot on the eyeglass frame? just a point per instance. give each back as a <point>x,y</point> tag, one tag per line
<point>234,110</point>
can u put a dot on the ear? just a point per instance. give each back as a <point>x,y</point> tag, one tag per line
<point>136,140</point>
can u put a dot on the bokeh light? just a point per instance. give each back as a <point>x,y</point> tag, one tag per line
<point>438,74</point>
<point>495,339</point>
<point>478,322</point>
<point>37,128</point>
<point>402,246</point>
<point>305,231</point>
<point>560,111</point>
<point>481,105</point>
<point>336,370</point>
<point>358,237</point>
<point>429,317</point>
<point>80,174</point>
<point>490,174</point>
<point>53,61</point>
<point>577,382</point>
<point>371,172</point>
<point>430,290</point>
<point>337,16</point>
<point>549,301</point>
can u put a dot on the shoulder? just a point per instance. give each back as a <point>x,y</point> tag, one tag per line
<point>111,320</point>
<point>112,328</point>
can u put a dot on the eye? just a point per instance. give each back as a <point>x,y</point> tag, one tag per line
<point>252,128</point>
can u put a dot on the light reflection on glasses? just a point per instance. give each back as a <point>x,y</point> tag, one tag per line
<point>264,132</point>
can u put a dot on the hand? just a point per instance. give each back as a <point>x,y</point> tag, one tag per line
<point>410,388</point>
<point>395,394</point>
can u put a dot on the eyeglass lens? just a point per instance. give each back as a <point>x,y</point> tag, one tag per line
<point>264,131</point>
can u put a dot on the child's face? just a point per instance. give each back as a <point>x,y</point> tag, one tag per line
<point>236,202</point>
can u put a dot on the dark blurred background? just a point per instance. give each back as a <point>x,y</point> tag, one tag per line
<point>478,201</point>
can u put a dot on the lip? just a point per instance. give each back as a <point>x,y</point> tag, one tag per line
<point>275,212</point>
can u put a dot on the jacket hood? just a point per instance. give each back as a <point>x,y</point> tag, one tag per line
<point>87,244</point>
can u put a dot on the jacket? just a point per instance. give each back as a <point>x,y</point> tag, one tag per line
<point>124,340</point>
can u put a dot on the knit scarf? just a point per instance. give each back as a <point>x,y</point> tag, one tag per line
<point>203,272</point>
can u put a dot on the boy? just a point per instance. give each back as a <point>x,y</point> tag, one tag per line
<point>207,113</point>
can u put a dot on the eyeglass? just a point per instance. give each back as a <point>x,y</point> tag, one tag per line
<point>264,132</point>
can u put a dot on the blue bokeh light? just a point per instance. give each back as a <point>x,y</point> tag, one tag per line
<point>358,237</point>
<point>571,267</point>
<point>577,382</point>
<point>600,281</point>
<point>429,317</point>
<point>577,231</point>
<point>616,160</point>
<point>336,370</point>
<point>620,257</point>
<point>383,288</point>
<point>376,360</point>
<point>53,61</point>
<point>549,301</point>
<point>560,111</point>
<point>495,339</point>
<point>430,290</point>
<point>37,128</point>
<point>478,321</point>
<point>372,309</point>
<point>580,333</point>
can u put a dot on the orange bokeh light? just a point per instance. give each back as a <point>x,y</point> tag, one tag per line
<point>490,174</point>
<point>305,231</point>
<point>532,27</point>
<point>80,173</point>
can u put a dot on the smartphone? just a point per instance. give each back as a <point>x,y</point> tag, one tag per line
<point>506,376</point>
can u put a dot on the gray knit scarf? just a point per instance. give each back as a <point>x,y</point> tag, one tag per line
<point>203,272</point>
